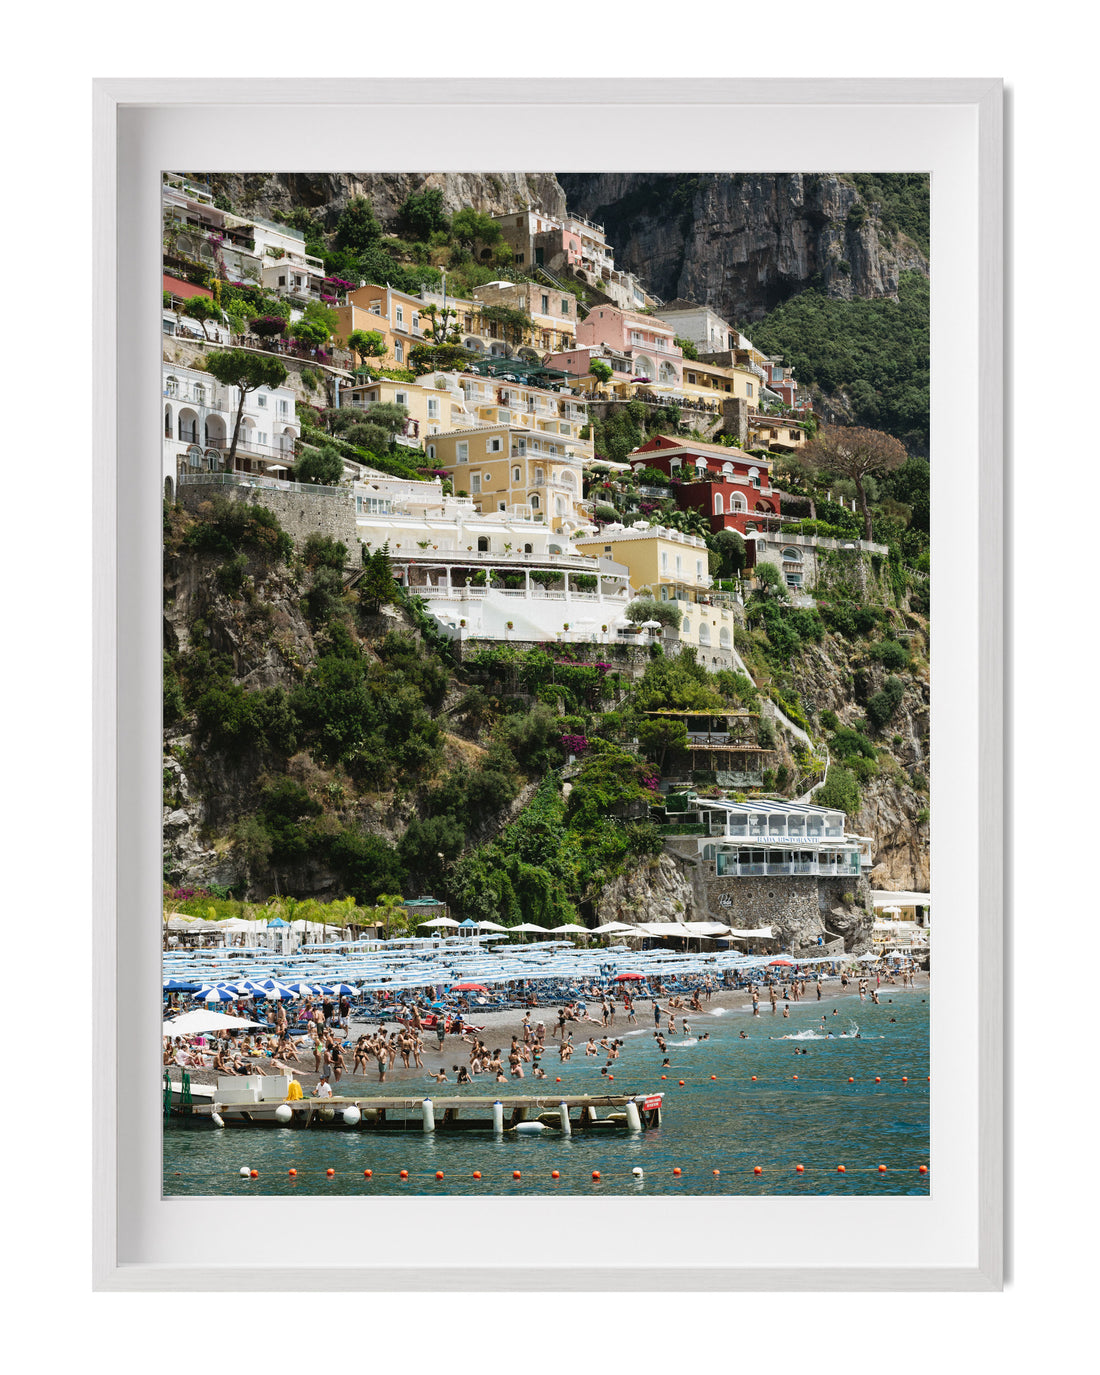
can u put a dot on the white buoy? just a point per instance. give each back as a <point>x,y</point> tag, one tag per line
<point>217,1120</point>
<point>427,1115</point>
<point>352,1115</point>
<point>638,1172</point>
<point>246,1173</point>
<point>633,1121</point>
<point>530,1128</point>
<point>563,1113</point>
<point>498,1117</point>
<point>283,1113</point>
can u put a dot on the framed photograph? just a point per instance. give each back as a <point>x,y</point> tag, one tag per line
<point>532,585</point>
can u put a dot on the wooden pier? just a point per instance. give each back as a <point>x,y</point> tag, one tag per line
<point>521,1114</point>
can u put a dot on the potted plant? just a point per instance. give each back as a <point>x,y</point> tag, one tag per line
<point>565,626</point>
<point>510,626</point>
<point>462,623</point>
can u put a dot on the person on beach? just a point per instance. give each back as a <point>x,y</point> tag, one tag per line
<point>323,1089</point>
<point>818,986</point>
<point>463,1074</point>
<point>590,1048</point>
<point>441,1076</point>
<point>656,1013</point>
<point>336,1060</point>
<point>755,1003</point>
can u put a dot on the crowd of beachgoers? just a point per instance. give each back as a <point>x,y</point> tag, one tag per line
<point>331,1049</point>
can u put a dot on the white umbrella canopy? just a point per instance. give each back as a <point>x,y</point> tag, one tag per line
<point>191,1023</point>
<point>528,926</point>
<point>569,929</point>
<point>611,926</point>
<point>439,921</point>
<point>493,926</point>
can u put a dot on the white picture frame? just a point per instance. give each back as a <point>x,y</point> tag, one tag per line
<point>950,128</point>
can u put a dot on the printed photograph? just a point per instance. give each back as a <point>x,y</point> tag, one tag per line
<point>546,679</point>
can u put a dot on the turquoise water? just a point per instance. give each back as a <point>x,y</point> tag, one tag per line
<point>729,1124</point>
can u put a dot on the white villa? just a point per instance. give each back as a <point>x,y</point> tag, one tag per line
<point>490,575</point>
<point>199,415</point>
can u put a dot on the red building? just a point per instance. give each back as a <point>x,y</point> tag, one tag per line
<point>732,489</point>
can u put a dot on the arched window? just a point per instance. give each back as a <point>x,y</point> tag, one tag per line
<point>172,386</point>
<point>200,393</point>
<point>168,422</point>
<point>727,469</point>
<point>718,503</point>
<point>685,627</point>
<point>515,474</point>
<point>724,637</point>
<point>533,499</point>
<point>482,545</point>
<point>738,503</point>
<point>168,485</point>
<point>431,450</point>
<point>792,555</point>
<point>528,548</point>
<point>704,633</point>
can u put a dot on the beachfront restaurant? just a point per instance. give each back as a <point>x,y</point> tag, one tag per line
<point>765,837</point>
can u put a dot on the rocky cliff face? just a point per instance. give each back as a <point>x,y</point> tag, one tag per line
<point>327,193</point>
<point>743,243</point>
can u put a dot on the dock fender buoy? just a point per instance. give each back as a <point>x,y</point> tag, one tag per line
<point>217,1119</point>
<point>633,1121</point>
<point>284,1112</point>
<point>352,1115</point>
<point>529,1128</point>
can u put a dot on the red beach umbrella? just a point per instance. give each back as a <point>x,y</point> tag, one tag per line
<point>781,960</point>
<point>619,978</point>
<point>468,988</point>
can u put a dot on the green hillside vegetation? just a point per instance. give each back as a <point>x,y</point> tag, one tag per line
<point>874,351</point>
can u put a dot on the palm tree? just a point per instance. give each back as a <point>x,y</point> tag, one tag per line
<point>390,913</point>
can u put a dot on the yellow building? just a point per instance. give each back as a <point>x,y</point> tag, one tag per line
<point>397,316</point>
<point>713,383</point>
<point>558,415</point>
<point>674,567</point>
<point>512,468</point>
<point>435,402</point>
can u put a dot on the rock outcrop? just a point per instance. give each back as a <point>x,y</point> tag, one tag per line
<point>744,243</point>
<point>327,193</point>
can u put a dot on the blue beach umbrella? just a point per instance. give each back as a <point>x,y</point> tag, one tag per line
<point>215,995</point>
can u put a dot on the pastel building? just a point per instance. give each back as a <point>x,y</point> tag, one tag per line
<point>556,414</point>
<point>647,341</point>
<point>552,314</point>
<point>572,244</point>
<point>396,315</point>
<point>704,327</point>
<point>673,567</point>
<point>199,415</point>
<point>435,403</point>
<point>511,468</point>
<point>730,487</point>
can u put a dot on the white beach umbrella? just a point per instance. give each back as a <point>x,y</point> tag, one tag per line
<point>440,921</point>
<point>191,1023</point>
<point>528,926</point>
<point>494,926</point>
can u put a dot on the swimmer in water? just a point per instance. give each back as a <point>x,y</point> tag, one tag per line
<point>743,1035</point>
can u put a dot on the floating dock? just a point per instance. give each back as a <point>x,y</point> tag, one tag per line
<point>262,1102</point>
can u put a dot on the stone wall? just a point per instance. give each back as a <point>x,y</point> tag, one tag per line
<point>301,513</point>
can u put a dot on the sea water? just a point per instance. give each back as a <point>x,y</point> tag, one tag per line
<point>731,1123</point>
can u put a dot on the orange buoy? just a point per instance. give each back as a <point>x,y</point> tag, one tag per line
<point>439,1174</point>
<point>800,1169</point>
<point>330,1173</point>
<point>923,1169</point>
<point>367,1174</point>
<point>757,1170</point>
<point>850,1079</point>
<point>254,1174</point>
<point>878,1079</point>
<point>611,1076</point>
<point>554,1174</point>
<point>794,1076</point>
<point>676,1170</point>
<point>904,1079</point>
<point>477,1174</point>
<point>515,1174</point>
<point>595,1174</point>
<point>681,1083</point>
<point>882,1169</point>
<point>714,1076</point>
<point>714,1172</point>
<point>292,1173</point>
<point>404,1174</point>
<point>840,1169</point>
<point>754,1078</point>
<point>558,1079</point>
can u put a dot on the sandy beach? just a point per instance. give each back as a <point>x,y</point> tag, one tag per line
<point>500,1027</point>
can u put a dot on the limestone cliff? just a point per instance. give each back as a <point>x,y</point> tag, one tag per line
<point>327,193</point>
<point>744,242</point>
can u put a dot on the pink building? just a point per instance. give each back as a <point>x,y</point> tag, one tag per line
<point>647,341</point>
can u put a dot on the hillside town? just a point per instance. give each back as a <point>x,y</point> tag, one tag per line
<point>553,459</point>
